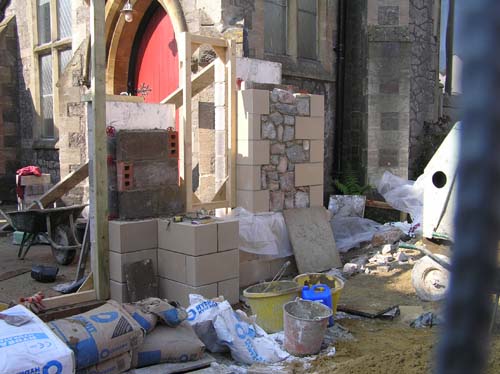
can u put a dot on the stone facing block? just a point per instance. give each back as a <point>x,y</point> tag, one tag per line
<point>117,262</point>
<point>317,106</point>
<point>317,151</point>
<point>316,196</point>
<point>228,235</point>
<point>253,101</point>
<point>254,201</point>
<point>253,152</point>
<point>249,126</point>
<point>308,174</point>
<point>130,236</point>
<point>248,177</point>
<point>309,128</point>
<point>179,292</point>
<point>118,291</point>
<point>186,238</point>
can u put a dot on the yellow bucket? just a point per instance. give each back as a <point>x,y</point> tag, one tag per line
<point>336,284</point>
<point>3,306</point>
<point>268,306</point>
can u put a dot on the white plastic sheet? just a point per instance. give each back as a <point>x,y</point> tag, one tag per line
<point>263,233</point>
<point>32,347</point>
<point>404,195</point>
<point>350,232</point>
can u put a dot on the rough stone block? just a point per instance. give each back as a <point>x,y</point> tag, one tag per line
<point>317,151</point>
<point>130,236</point>
<point>248,177</point>
<point>254,201</point>
<point>253,101</point>
<point>388,157</point>
<point>186,238</point>
<point>228,235</point>
<point>317,106</point>
<point>117,262</point>
<point>132,145</point>
<point>277,201</point>
<point>253,152</point>
<point>309,127</point>
<point>248,126</point>
<point>388,15</point>
<point>308,174</point>
<point>316,196</point>
<point>230,289</point>
<point>151,174</point>
<point>179,292</point>
<point>203,270</point>
<point>163,201</point>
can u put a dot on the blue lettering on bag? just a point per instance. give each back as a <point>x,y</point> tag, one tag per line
<point>104,317</point>
<point>53,364</point>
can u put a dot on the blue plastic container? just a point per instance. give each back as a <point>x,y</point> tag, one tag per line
<point>320,293</point>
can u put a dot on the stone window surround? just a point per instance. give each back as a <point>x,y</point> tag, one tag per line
<point>54,47</point>
<point>321,68</point>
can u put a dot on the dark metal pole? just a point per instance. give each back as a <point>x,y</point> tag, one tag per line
<point>450,36</point>
<point>464,344</point>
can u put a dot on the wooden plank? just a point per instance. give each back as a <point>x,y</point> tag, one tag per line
<point>63,186</point>
<point>88,284</point>
<point>378,204</point>
<point>202,39</point>
<point>232,125</point>
<point>186,115</point>
<point>182,367</point>
<point>65,300</point>
<point>211,205</point>
<point>199,82</point>
<point>98,174</point>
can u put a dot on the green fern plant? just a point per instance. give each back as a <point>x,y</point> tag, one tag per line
<point>349,184</point>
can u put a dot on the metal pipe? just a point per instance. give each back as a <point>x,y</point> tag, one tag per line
<point>339,105</point>
<point>463,347</point>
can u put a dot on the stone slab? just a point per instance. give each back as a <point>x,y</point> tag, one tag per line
<point>312,239</point>
<point>141,280</point>
<point>132,145</point>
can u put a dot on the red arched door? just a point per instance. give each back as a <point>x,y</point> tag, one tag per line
<point>157,68</point>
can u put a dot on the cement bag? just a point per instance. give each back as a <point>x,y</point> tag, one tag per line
<point>263,233</point>
<point>100,334</point>
<point>247,342</point>
<point>144,318</point>
<point>169,344</point>
<point>201,313</point>
<point>168,314</point>
<point>32,347</point>
<point>115,365</point>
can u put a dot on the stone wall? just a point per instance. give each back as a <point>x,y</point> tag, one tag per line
<point>9,109</point>
<point>280,150</point>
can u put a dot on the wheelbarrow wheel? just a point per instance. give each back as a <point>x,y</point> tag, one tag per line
<point>63,257</point>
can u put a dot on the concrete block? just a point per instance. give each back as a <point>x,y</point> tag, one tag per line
<point>32,180</point>
<point>179,292</point>
<point>117,262</point>
<point>253,101</point>
<point>130,236</point>
<point>277,263</point>
<point>317,150</point>
<point>228,235</point>
<point>317,106</point>
<point>309,128</point>
<point>172,265</point>
<point>230,289</point>
<point>248,126</point>
<point>247,256</point>
<point>132,145</point>
<point>316,196</point>
<point>253,152</point>
<point>308,174</point>
<point>203,270</point>
<point>248,177</point>
<point>118,291</point>
<point>253,272</point>
<point>258,71</point>
<point>254,201</point>
<point>186,238</point>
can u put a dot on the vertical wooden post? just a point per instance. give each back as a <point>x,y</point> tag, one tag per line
<point>185,131</point>
<point>232,122</point>
<point>98,177</point>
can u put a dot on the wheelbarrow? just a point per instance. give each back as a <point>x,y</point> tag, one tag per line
<point>56,225</point>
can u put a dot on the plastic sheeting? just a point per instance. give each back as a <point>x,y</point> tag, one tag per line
<point>350,232</point>
<point>263,233</point>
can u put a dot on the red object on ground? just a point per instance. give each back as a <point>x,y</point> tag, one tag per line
<point>27,170</point>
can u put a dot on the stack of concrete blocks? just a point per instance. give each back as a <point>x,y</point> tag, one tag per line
<point>201,259</point>
<point>280,160</point>
<point>130,241</point>
<point>34,188</point>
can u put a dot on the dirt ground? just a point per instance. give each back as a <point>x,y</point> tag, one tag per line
<point>15,274</point>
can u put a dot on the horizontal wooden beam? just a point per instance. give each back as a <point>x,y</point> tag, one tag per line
<point>202,39</point>
<point>71,299</point>
<point>198,83</point>
<point>212,205</point>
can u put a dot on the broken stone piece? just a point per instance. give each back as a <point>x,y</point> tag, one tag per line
<point>383,268</point>
<point>401,257</point>
<point>387,248</point>
<point>387,237</point>
<point>350,268</point>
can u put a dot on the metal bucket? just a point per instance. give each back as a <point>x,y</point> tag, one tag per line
<point>305,324</point>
